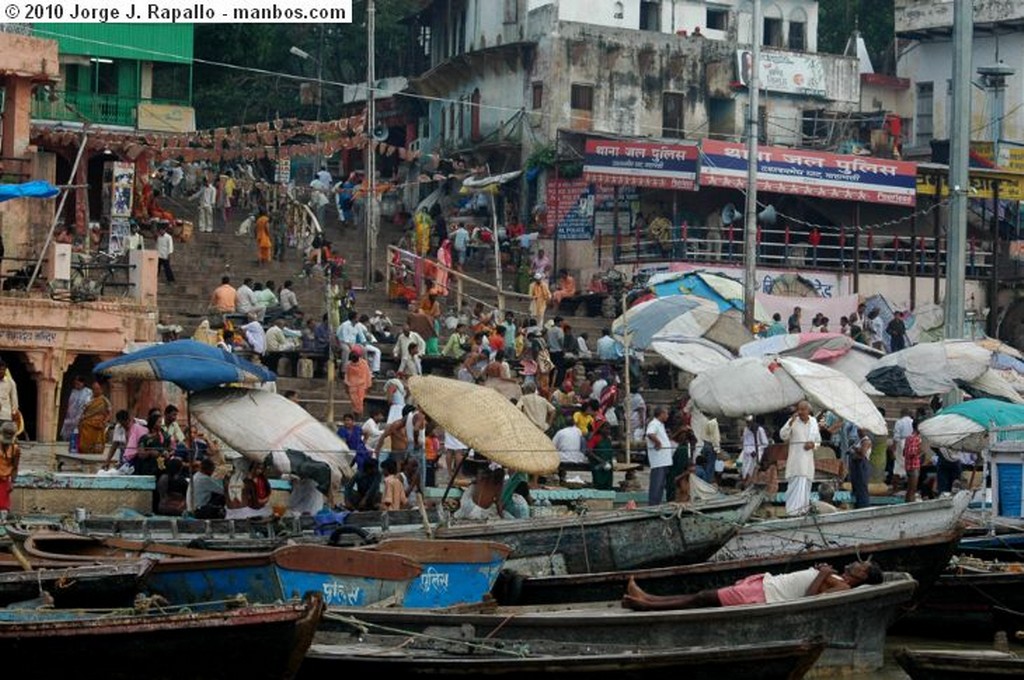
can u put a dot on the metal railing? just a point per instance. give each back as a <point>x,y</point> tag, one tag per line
<point>102,109</point>
<point>407,270</point>
<point>866,252</point>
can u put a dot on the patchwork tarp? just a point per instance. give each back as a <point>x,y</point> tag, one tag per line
<point>930,368</point>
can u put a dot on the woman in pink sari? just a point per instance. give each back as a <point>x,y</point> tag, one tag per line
<point>444,257</point>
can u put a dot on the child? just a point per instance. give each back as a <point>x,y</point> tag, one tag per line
<point>394,491</point>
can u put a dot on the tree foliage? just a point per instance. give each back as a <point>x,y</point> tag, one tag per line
<point>838,19</point>
<point>226,96</point>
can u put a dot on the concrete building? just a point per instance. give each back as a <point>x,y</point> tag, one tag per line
<point>44,337</point>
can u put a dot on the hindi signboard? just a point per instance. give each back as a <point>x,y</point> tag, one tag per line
<point>641,164</point>
<point>571,208</point>
<point>811,173</point>
<point>787,72</point>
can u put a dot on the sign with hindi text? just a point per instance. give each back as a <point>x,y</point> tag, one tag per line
<point>641,164</point>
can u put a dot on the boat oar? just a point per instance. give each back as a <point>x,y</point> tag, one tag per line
<point>20,557</point>
<point>423,515</point>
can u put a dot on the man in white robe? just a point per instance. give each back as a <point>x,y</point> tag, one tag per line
<point>803,436</point>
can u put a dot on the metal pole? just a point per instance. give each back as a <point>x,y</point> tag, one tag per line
<point>993,281</point>
<point>750,223</point>
<point>629,401</point>
<point>371,153</point>
<point>330,368</point>
<point>960,136</point>
<point>60,211</point>
<point>319,101</point>
<point>497,253</point>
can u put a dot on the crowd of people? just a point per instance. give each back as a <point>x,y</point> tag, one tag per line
<point>863,326</point>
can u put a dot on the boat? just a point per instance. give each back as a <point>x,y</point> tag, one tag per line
<point>522,660</point>
<point>961,602</point>
<point>101,585</point>
<point>1011,622</point>
<point>853,623</point>
<point>672,533</point>
<point>959,664</point>
<point>924,558</point>
<point>454,572</point>
<point>1004,547</point>
<point>185,575</point>
<point>200,642</point>
<point>846,528</point>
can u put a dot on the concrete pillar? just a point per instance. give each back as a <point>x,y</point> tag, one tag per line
<point>17,117</point>
<point>81,179</point>
<point>118,394</point>
<point>46,418</point>
<point>143,276</point>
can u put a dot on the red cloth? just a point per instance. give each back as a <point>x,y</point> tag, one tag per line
<point>912,453</point>
<point>748,591</point>
<point>5,493</point>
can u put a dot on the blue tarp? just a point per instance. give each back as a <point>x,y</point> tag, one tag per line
<point>191,365</point>
<point>693,284</point>
<point>37,188</point>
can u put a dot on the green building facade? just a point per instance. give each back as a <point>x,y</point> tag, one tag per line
<point>109,70</point>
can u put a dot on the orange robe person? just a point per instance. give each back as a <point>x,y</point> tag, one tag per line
<point>263,240</point>
<point>566,288</point>
<point>92,426</point>
<point>358,380</point>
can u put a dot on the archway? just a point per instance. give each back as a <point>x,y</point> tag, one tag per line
<point>82,365</point>
<point>17,363</point>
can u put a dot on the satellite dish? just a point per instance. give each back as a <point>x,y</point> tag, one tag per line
<point>380,133</point>
<point>730,214</point>
<point>767,216</point>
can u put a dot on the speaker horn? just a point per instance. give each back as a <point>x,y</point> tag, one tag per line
<point>380,133</point>
<point>767,216</point>
<point>730,214</point>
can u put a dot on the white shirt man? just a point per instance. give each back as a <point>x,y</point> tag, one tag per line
<point>276,339</point>
<point>164,246</point>
<point>325,177</point>
<point>803,435</point>
<point>288,300</point>
<point>539,410</point>
<point>255,336</point>
<point>659,456</point>
<point>598,389</point>
<point>582,351</point>
<point>245,301</point>
<point>569,442</point>
<point>366,340</point>
<point>8,395</point>
<point>901,429</point>
<point>607,348</point>
<point>755,441</point>
<point>371,433</point>
<point>406,338</point>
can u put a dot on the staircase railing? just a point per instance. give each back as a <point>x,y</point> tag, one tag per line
<point>402,264</point>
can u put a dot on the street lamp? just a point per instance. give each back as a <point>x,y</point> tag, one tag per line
<point>303,54</point>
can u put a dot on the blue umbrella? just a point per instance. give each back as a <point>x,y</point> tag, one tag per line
<point>37,188</point>
<point>192,366</point>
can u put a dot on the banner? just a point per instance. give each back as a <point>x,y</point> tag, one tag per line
<point>811,173</point>
<point>122,188</point>
<point>788,72</point>
<point>641,164</point>
<point>1011,184</point>
<point>571,209</point>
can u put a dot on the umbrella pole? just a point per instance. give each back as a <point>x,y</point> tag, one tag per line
<point>451,479</point>
<point>191,454</point>
<point>629,401</point>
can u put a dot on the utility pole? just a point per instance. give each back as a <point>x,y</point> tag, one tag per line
<point>371,152</point>
<point>959,146</point>
<point>750,215</point>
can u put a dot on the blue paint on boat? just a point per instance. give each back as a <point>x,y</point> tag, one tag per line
<point>184,584</point>
<point>447,585</point>
<point>339,591</point>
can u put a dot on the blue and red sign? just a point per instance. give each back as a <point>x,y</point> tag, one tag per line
<point>811,173</point>
<point>641,164</point>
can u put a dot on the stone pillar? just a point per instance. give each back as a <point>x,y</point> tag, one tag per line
<point>47,409</point>
<point>118,394</point>
<point>17,119</point>
<point>81,181</point>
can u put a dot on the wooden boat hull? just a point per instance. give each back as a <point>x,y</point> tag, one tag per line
<point>924,558</point>
<point>394,655</point>
<point>623,539</point>
<point>852,622</point>
<point>77,586</point>
<point>1003,547</point>
<point>943,664</point>
<point>961,605</point>
<point>847,528</point>
<point>253,642</point>
<point>344,577</point>
<point>454,572</point>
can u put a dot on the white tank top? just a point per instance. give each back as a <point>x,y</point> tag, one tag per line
<point>787,587</point>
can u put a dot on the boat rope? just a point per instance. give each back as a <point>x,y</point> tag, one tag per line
<point>583,539</point>
<point>364,628</point>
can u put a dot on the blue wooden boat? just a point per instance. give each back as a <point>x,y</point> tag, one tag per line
<point>454,572</point>
<point>343,576</point>
<point>200,642</point>
<point>1003,547</point>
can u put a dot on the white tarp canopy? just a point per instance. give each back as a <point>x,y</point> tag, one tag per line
<point>693,355</point>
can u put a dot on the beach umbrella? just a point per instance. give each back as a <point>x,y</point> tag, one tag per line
<point>724,291</point>
<point>965,426</point>
<point>693,355</point>
<point>929,368</point>
<point>191,365</point>
<point>684,316</point>
<point>261,424</point>
<point>817,347</point>
<point>486,421</point>
<point>759,385</point>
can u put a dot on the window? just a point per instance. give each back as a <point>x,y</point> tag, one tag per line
<point>538,96</point>
<point>511,11</point>
<point>923,130</point>
<point>581,98</point>
<point>718,19</point>
<point>170,81</point>
<point>722,117</point>
<point>672,115</point>
<point>106,77</point>
<point>650,16</point>
<point>797,35</point>
<point>772,36</point>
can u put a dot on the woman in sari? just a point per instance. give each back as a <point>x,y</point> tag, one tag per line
<point>444,257</point>
<point>263,241</point>
<point>358,380</point>
<point>92,427</point>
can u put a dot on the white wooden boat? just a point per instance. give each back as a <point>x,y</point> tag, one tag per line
<point>847,528</point>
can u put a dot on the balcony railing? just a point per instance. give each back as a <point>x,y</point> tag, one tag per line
<point>101,109</point>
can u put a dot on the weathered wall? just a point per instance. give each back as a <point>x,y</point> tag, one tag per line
<point>917,15</point>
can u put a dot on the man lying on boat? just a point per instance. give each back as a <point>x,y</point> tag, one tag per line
<point>760,588</point>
